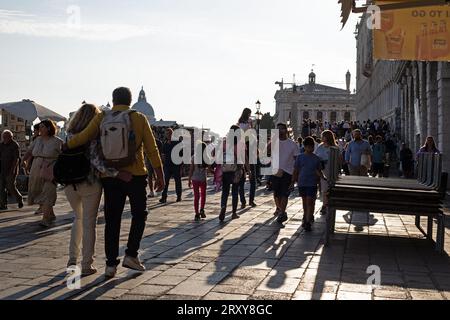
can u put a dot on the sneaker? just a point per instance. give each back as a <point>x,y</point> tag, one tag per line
<point>307,227</point>
<point>162,200</point>
<point>253,204</point>
<point>133,263</point>
<point>71,263</point>
<point>197,217</point>
<point>244,205</point>
<point>88,271</point>
<point>202,214</point>
<point>235,216</point>
<point>20,204</point>
<point>276,213</point>
<point>282,217</point>
<point>179,199</point>
<point>110,271</point>
<point>45,223</point>
<point>222,214</point>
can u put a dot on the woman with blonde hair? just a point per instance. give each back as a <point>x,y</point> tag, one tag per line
<point>84,197</point>
<point>44,151</point>
<point>323,152</point>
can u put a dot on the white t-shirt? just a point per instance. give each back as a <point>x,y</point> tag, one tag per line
<point>288,153</point>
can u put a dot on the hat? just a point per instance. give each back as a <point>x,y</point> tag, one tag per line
<point>282,124</point>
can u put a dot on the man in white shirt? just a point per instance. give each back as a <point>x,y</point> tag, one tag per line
<point>288,152</point>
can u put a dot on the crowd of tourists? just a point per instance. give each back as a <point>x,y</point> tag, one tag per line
<point>117,155</point>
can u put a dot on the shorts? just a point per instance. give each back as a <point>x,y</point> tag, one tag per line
<point>280,185</point>
<point>378,168</point>
<point>308,192</point>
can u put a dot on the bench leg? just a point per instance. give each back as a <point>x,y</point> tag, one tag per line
<point>440,237</point>
<point>418,221</point>
<point>430,228</point>
<point>327,227</point>
<point>332,214</point>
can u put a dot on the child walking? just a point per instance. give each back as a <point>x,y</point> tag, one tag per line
<point>307,173</point>
<point>197,180</point>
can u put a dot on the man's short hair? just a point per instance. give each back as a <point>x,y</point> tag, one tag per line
<point>309,141</point>
<point>282,124</point>
<point>122,96</point>
<point>8,131</point>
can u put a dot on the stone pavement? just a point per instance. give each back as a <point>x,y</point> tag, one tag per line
<point>249,258</point>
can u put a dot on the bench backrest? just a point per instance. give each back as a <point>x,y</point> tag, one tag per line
<point>334,165</point>
<point>429,169</point>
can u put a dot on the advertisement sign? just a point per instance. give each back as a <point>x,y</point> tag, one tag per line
<point>421,33</point>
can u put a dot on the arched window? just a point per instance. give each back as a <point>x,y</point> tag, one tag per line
<point>319,115</point>
<point>305,115</point>
<point>347,116</point>
<point>333,116</point>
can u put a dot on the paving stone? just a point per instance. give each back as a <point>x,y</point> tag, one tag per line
<point>224,296</point>
<point>425,295</point>
<point>192,288</point>
<point>343,295</point>
<point>150,290</point>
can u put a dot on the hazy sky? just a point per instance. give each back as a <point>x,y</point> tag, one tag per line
<point>200,61</point>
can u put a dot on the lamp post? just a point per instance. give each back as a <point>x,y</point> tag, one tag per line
<point>258,116</point>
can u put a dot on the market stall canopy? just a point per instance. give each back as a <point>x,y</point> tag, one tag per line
<point>30,111</point>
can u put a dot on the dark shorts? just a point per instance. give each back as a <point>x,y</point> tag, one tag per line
<point>309,192</point>
<point>378,168</point>
<point>280,185</point>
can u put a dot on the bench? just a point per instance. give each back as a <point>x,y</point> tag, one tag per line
<point>421,197</point>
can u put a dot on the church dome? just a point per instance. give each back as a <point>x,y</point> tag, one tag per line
<point>144,107</point>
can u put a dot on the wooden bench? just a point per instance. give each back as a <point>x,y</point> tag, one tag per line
<point>421,197</point>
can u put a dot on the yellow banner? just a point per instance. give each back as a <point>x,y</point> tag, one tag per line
<point>421,33</point>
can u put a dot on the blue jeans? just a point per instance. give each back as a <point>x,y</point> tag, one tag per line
<point>227,180</point>
<point>169,172</point>
<point>252,186</point>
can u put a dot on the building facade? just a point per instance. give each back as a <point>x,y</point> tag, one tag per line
<point>414,96</point>
<point>315,102</point>
<point>17,126</point>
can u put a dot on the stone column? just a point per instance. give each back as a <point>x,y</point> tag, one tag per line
<point>443,79</point>
<point>403,109</point>
<point>294,117</point>
<point>423,100</point>
<point>411,123</point>
<point>432,99</point>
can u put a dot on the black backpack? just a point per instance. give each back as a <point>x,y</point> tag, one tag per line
<point>72,167</point>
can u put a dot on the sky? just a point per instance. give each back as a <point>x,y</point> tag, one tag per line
<point>200,61</point>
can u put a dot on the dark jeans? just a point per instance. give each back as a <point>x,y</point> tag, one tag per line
<point>8,184</point>
<point>252,186</point>
<point>116,192</point>
<point>227,180</point>
<point>169,172</point>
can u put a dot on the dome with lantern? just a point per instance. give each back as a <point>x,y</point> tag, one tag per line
<point>144,107</point>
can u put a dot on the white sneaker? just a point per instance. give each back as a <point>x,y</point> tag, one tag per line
<point>110,272</point>
<point>133,263</point>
